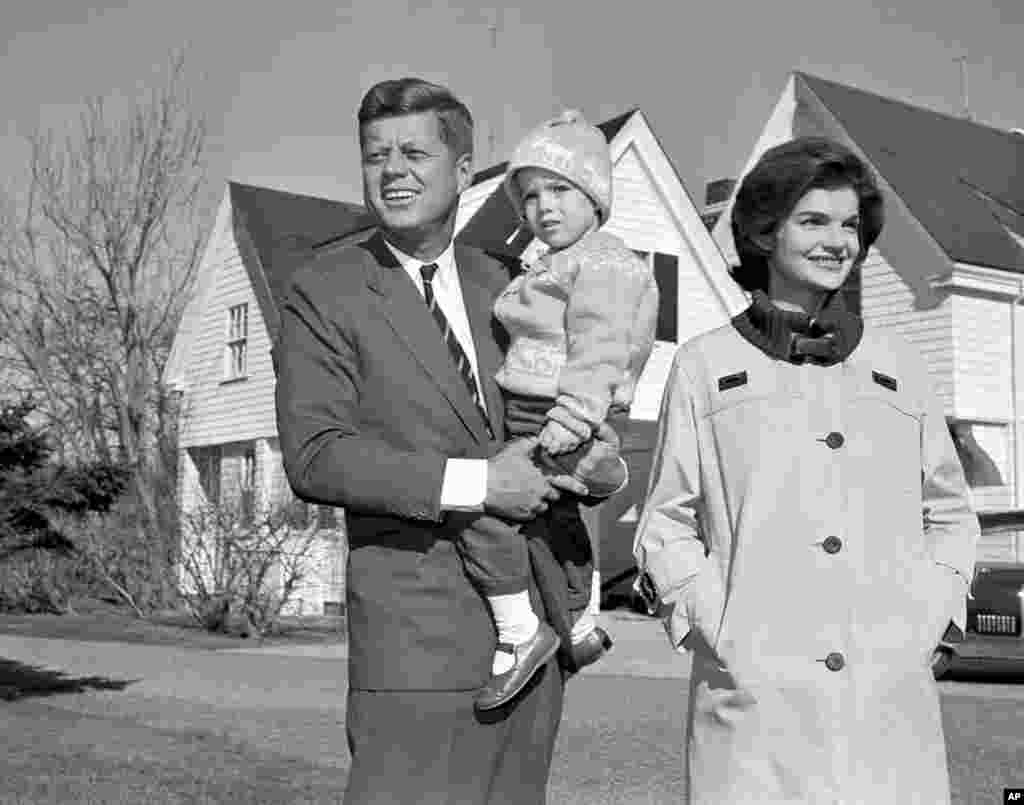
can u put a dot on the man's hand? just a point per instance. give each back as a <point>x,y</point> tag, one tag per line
<point>516,487</point>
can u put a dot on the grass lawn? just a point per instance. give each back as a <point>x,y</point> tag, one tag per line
<point>54,754</point>
<point>224,729</point>
<point>99,621</point>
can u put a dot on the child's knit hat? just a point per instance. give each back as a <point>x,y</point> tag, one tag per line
<point>571,147</point>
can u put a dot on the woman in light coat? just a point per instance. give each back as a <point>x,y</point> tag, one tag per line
<point>807,533</point>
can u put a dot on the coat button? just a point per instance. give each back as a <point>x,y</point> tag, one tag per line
<point>832,544</point>
<point>835,661</point>
<point>835,440</point>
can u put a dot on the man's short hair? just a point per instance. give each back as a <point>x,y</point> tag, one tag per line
<point>404,96</point>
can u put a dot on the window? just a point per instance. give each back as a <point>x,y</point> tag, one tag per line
<point>238,337</point>
<point>666,275</point>
<point>247,487</point>
<point>207,463</point>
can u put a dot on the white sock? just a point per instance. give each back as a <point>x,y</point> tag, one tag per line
<point>516,623</point>
<point>584,626</point>
<point>595,593</point>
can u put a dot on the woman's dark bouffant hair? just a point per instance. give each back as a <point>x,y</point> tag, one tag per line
<point>774,186</point>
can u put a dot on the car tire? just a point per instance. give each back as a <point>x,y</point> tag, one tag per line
<point>942,659</point>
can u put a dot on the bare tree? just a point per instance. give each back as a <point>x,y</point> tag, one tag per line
<point>99,256</point>
<point>245,563</point>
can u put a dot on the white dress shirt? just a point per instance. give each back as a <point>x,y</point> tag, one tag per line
<point>465,479</point>
<point>464,486</point>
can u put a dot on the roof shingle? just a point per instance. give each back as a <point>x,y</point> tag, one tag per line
<point>962,180</point>
<point>277,232</point>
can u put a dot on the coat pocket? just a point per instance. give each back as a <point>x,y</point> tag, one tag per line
<point>704,604</point>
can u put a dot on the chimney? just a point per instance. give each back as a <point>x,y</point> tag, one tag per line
<point>716,195</point>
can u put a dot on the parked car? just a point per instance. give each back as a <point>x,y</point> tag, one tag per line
<point>995,611</point>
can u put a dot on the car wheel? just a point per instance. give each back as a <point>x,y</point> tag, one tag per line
<point>942,659</point>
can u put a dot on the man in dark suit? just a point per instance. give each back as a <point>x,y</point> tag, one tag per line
<point>380,413</point>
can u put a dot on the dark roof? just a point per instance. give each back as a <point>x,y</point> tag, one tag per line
<point>609,128</point>
<point>277,232</point>
<point>495,225</point>
<point>963,181</point>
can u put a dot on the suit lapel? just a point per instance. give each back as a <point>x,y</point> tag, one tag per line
<point>479,298</point>
<point>403,307</point>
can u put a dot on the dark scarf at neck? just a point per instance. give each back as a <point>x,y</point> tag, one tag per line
<point>825,339</point>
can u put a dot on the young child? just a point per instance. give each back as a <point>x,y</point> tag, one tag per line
<point>581,322</point>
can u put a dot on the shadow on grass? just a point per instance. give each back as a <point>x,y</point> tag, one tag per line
<point>20,681</point>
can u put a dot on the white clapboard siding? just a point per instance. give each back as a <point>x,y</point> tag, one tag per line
<point>1017,427</point>
<point>639,213</point>
<point>215,411</point>
<point>640,217</point>
<point>887,302</point>
<point>326,581</point>
<point>324,563</point>
<point>700,309</point>
<point>218,241</point>
<point>982,361</point>
<point>983,391</point>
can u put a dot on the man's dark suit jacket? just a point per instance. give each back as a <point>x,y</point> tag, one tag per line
<point>369,407</point>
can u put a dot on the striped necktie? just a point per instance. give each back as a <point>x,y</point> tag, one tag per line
<point>454,347</point>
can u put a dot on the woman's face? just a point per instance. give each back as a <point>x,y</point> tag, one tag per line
<point>815,246</point>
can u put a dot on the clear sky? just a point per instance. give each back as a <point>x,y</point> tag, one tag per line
<point>279,82</point>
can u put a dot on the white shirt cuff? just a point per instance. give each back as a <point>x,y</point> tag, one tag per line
<point>464,487</point>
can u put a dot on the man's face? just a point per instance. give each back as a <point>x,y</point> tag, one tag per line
<point>412,178</point>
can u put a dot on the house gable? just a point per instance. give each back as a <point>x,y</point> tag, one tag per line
<point>277,232</point>
<point>947,273</point>
<point>217,408</point>
<point>958,177</point>
<point>909,248</point>
<point>653,213</point>
<point>217,240</point>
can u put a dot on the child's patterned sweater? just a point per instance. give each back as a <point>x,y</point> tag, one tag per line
<point>581,323</point>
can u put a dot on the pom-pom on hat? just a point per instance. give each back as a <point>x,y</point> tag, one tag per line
<point>571,147</point>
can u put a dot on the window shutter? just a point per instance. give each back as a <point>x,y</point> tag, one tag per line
<point>666,274</point>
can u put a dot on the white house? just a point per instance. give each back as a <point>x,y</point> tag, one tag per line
<point>948,270</point>
<point>221,362</point>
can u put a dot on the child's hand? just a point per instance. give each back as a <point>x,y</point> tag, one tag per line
<point>556,438</point>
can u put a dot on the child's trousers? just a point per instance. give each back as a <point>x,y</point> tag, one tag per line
<point>494,551</point>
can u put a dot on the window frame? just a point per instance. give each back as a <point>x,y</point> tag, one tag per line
<point>236,346</point>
